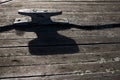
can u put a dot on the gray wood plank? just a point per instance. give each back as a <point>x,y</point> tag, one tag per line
<point>68,31</point>
<point>54,37</point>
<point>97,76</point>
<point>100,57</point>
<point>71,21</point>
<point>114,7</point>
<point>51,41</point>
<point>68,0</point>
<point>49,50</point>
<point>58,69</point>
<point>71,18</point>
<point>79,16</point>
<point>81,19</point>
<point>65,6</point>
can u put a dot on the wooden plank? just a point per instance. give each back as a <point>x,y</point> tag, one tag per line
<point>71,21</point>
<point>69,0</point>
<point>79,16</point>
<point>64,13</point>
<point>58,41</point>
<point>100,57</point>
<point>49,3</point>
<point>82,19</point>
<point>70,33</point>
<point>58,69</point>
<point>79,19</point>
<point>54,37</point>
<point>49,50</point>
<point>62,2</point>
<point>99,76</point>
<point>66,30</point>
<point>65,8</point>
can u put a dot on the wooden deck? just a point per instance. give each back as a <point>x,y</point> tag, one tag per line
<point>88,48</point>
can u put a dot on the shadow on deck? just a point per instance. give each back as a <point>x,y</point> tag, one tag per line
<point>44,41</point>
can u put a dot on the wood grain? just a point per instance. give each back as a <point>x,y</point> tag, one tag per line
<point>72,52</point>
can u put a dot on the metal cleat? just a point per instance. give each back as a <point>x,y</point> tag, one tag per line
<point>40,16</point>
<point>22,20</point>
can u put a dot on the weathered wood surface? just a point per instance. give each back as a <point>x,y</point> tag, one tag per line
<point>72,77</point>
<point>16,51</point>
<point>59,69</point>
<point>99,57</point>
<point>83,13</point>
<point>57,52</point>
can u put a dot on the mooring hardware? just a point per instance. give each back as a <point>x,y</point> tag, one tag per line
<point>39,16</point>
